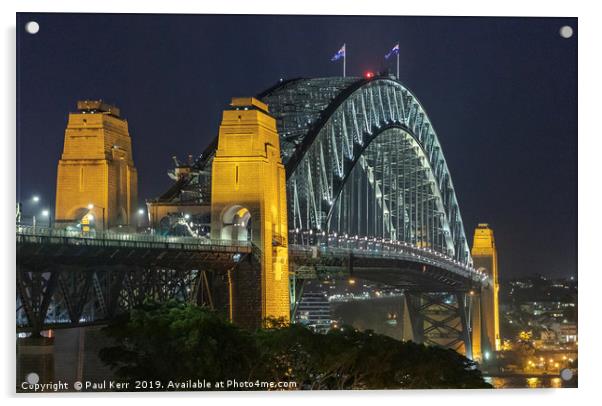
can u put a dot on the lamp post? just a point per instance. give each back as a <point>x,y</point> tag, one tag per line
<point>46,213</point>
<point>140,214</point>
<point>35,199</point>
<point>91,206</point>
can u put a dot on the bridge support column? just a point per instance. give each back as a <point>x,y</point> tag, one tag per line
<point>35,354</point>
<point>438,318</point>
<point>484,254</point>
<point>35,289</point>
<point>248,203</point>
<point>464,319</point>
<point>476,331</point>
<point>413,322</point>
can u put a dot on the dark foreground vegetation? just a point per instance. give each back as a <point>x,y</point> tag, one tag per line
<point>177,342</point>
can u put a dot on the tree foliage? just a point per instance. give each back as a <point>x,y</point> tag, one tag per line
<point>181,342</point>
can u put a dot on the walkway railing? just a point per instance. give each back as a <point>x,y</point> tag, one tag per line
<point>119,239</point>
<point>396,251</point>
<point>138,240</point>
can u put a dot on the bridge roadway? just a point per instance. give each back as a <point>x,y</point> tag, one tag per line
<point>120,244</point>
<point>80,281</point>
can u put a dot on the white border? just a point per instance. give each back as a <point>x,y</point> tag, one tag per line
<point>590,283</point>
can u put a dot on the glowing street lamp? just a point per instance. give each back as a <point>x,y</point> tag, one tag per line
<point>35,199</point>
<point>46,213</point>
<point>140,214</point>
<point>91,206</point>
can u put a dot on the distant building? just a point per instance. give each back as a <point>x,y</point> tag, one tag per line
<point>567,332</point>
<point>313,312</point>
<point>548,337</point>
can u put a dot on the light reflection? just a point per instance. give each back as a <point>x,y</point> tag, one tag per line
<point>533,382</point>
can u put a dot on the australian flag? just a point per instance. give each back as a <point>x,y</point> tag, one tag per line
<point>394,51</point>
<point>340,54</point>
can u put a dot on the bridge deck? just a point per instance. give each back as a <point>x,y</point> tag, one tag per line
<point>29,234</point>
<point>58,270</point>
<point>141,249</point>
<point>40,247</point>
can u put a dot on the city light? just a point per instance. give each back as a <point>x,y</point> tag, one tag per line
<point>45,213</point>
<point>90,206</point>
<point>35,199</point>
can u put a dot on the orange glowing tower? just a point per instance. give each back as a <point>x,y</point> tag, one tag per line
<point>248,203</point>
<point>96,180</point>
<point>484,255</point>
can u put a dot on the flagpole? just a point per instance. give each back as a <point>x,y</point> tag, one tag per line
<point>398,65</point>
<point>344,58</point>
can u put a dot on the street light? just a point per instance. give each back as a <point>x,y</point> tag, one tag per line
<point>46,213</point>
<point>91,206</point>
<point>140,214</point>
<point>35,199</point>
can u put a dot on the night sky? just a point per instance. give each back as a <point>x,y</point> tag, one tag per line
<point>501,93</point>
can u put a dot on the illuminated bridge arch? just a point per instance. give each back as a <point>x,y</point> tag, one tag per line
<point>363,161</point>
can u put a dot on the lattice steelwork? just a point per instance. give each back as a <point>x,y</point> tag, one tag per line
<point>363,161</point>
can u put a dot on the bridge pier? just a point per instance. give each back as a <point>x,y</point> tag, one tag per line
<point>244,294</point>
<point>35,289</point>
<point>436,318</point>
<point>248,203</point>
<point>484,254</point>
<point>476,329</point>
<point>35,354</point>
<point>413,320</point>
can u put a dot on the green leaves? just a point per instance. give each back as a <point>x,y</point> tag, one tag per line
<point>181,342</point>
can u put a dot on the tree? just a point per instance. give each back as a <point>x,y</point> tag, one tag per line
<point>178,342</point>
<point>181,342</point>
<point>349,359</point>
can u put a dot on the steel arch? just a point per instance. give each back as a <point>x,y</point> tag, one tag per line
<point>326,127</point>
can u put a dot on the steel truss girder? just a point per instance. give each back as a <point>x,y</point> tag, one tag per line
<point>400,269</point>
<point>440,319</point>
<point>75,296</point>
<point>63,286</point>
<point>340,118</point>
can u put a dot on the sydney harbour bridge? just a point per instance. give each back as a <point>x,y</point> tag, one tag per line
<point>313,178</point>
